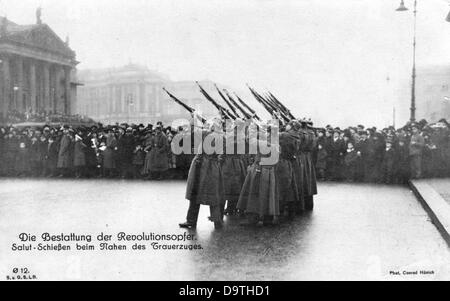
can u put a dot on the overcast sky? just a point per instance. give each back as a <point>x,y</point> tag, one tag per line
<point>326,59</point>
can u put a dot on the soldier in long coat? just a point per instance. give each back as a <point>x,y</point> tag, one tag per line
<point>310,177</point>
<point>205,182</point>
<point>234,168</point>
<point>259,198</point>
<point>285,173</point>
<point>298,165</point>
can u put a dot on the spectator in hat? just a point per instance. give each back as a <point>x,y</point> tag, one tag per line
<point>336,152</point>
<point>402,167</point>
<point>64,155</point>
<point>416,146</point>
<point>350,163</point>
<point>158,161</point>
<point>389,163</point>
<point>109,154</point>
<point>125,148</point>
<point>51,157</point>
<point>79,161</point>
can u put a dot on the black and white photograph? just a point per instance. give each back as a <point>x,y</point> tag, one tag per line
<point>206,140</point>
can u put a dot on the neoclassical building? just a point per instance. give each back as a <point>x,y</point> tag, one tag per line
<point>134,94</point>
<point>37,69</point>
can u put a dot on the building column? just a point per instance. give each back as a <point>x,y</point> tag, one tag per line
<point>137,101</point>
<point>18,93</point>
<point>57,105</point>
<point>67,92</point>
<point>46,88</point>
<point>33,93</point>
<point>5,86</point>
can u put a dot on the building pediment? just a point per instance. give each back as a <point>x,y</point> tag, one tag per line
<point>41,37</point>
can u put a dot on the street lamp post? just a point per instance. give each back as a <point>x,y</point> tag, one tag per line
<point>412,117</point>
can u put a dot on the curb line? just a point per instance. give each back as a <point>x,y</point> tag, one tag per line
<point>439,219</point>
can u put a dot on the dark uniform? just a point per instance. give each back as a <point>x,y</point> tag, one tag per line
<point>205,187</point>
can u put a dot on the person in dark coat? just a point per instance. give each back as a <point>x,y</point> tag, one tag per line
<point>205,181</point>
<point>321,163</point>
<point>109,154</point>
<point>125,148</point>
<point>51,157</point>
<point>233,168</point>
<point>10,147</point>
<point>350,163</point>
<point>90,140</point>
<point>416,146</point>
<point>34,157</point>
<point>336,150</point>
<point>22,166</point>
<point>64,155</point>
<point>307,148</point>
<point>79,160</point>
<point>259,198</point>
<point>285,173</point>
<point>42,152</point>
<point>158,161</point>
<point>138,160</point>
<point>389,163</point>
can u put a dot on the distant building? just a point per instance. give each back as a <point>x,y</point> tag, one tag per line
<point>37,69</point>
<point>134,94</point>
<point>432,94</point>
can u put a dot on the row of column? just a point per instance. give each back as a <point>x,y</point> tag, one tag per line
<point>34,86</point>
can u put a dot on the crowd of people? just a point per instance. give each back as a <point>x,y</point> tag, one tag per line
<point>352,154</point>
<point>355,154</point>
<point>134,151</point>
<point>388,156</point>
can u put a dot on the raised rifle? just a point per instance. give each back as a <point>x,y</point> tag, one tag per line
<point>188,108</point>
<point>268,105</point>
<point>258,99</point>
<point>277,108</point>
<point>247,107</point>
<point>280,110</point>
<point>246,114</point>
<point>223,111</point>
<point>227,102</point>
<point>288,112</point>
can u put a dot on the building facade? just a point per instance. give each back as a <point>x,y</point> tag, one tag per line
<point>134,94</point>
<point>37,70</point>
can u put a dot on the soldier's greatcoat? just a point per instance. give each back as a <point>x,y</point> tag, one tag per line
<point>259,193</point>
<point>285,174</point>
<point>205,180</point>
<point>234,171</point>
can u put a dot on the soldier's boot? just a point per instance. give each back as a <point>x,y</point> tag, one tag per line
<point>309,203</point>
<point>218,225</point>
<point>187,225</point>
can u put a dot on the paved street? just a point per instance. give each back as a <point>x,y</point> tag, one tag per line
<point>356,232</point>
<point>442,186</point>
